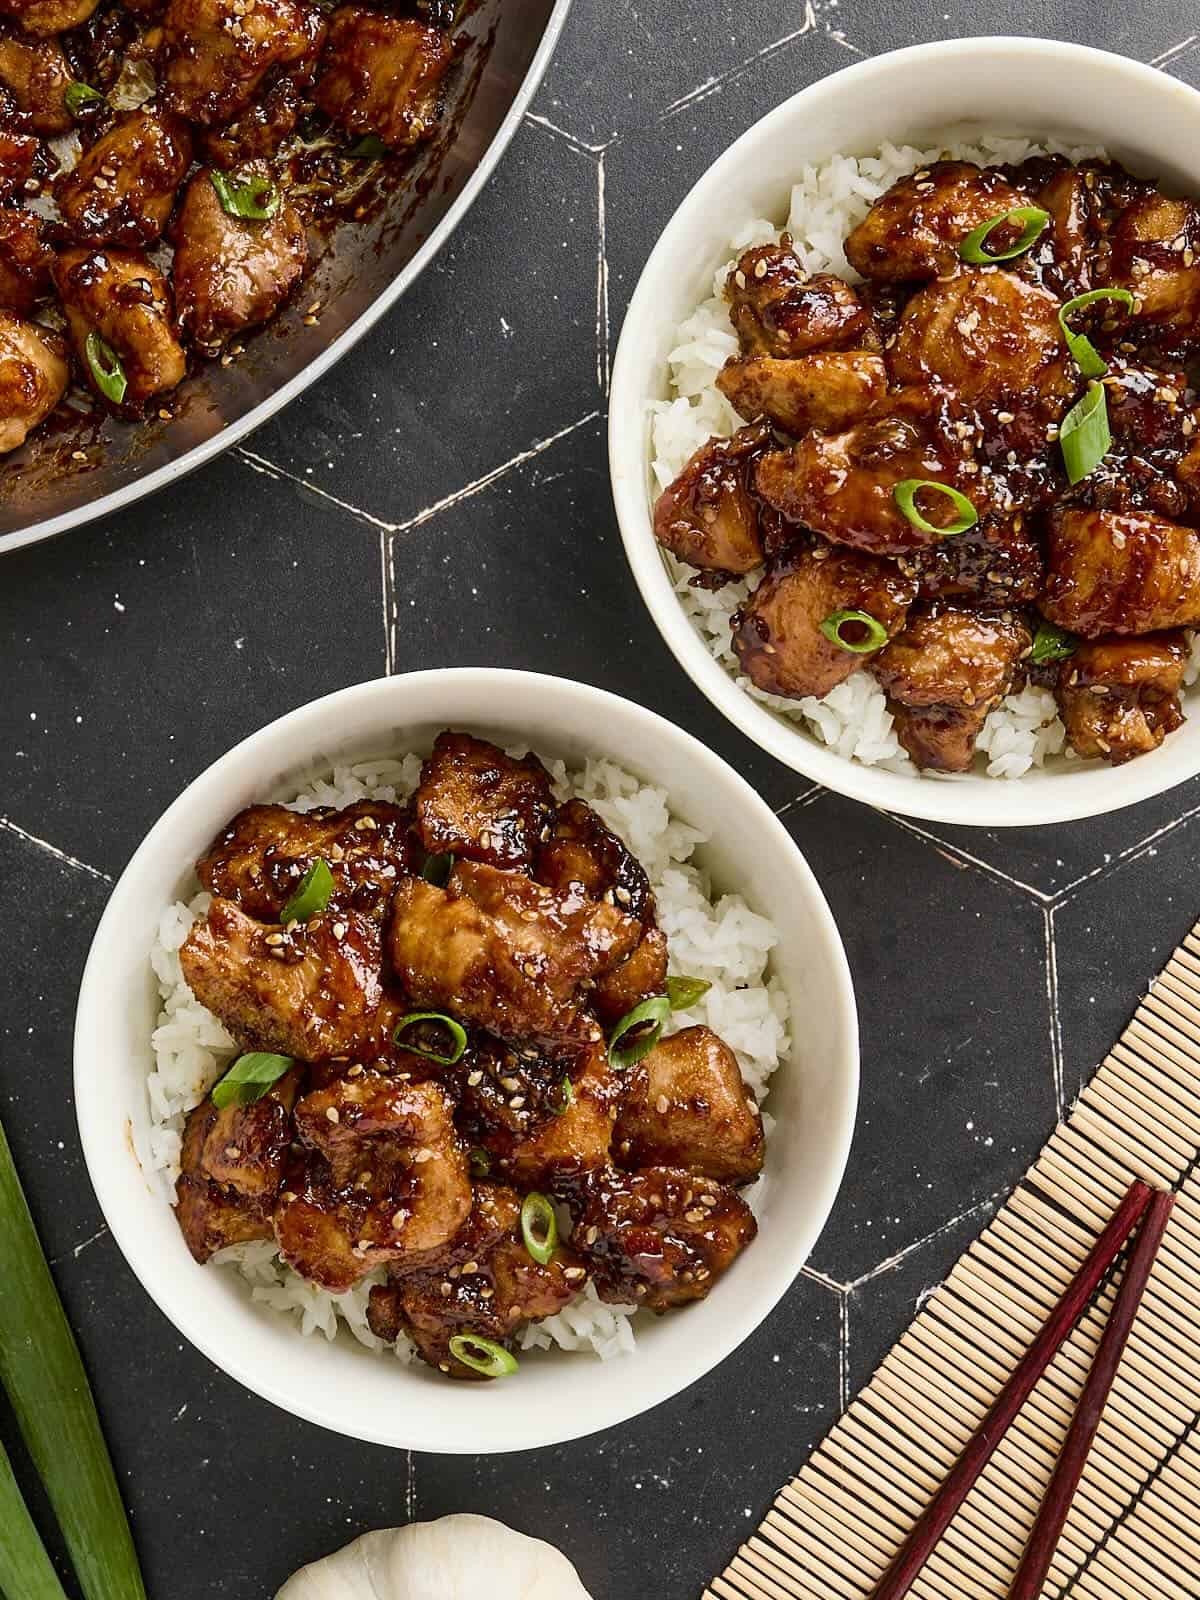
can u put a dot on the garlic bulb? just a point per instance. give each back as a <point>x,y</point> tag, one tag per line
<point>455,1558</point>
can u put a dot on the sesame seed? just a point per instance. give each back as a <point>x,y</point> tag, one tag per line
<point>760,269</point>
<point>232,1152</point>
<point>366,824</point>
<point>486,1294</point>
<point>517,1101</point>
<point>288,1196</point>
<point>662,1104</point>
<point>78,455</point>
<point>356,1071</point>
<point>399,1218</point>
<point>591,1235</point>
<point>339,930</point>
<point>470,1266</point>
<point>445,1289</point>
<point>474,1079</point>
<point>422,1156</point>
<point>575,1273</point>
<point>332,1114</point>
<point>693,1216</point>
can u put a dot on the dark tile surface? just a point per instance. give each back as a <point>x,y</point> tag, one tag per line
<point>441,499</point>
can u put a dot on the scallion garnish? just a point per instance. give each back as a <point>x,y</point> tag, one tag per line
<point>256,198</point>
<point>437,869</point>
<point>372,148</point>
<point>539,1228</point>
<point>483,1355</point>
<point>78,95</point>
<point>683,993</point>
<point>480,1162</point>
<point>48,1389</point>
<point>106,368</point>
<point>249,1078</point>
<point>1087,358</point>
<point>458,1036</point>
<point>1084,435</point>
<point>566,1098</point>
<point>312,894</point>
<point>905,495</point>
<point>1052,644</point>
<point>870,634</point>
<point>1033,221</point>
<point>645,1022</point>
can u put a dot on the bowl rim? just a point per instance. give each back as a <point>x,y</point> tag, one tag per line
<point>103,1158</point>
<point>974,801</point>
<point>233,433</point>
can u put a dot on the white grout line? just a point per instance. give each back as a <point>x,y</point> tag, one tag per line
<point>77,1250</point>
<point>843,1352</point>
<point>569,138</point>
<point>59,855</point>
<point>270,469</point>
<point>388,602</point>
<point>893,1261</point>
<point>1174,50</point>
<point>804,798</point>
<point>956,854</point>
<point>602,328</point>
<point>1130,853</point>
<point>489,478</point>
<point>1056,1044</point>
<point>823,1279</point>
<point>836,36</point>
<point>410,1493</point>
<point>712,86</point>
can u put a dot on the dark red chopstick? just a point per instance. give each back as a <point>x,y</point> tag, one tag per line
<point>1039,1552</point>
<point>936,1518</point>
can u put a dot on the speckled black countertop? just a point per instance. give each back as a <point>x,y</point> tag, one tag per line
<point>368,530</point>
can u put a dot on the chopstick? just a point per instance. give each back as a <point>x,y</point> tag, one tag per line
<point>937,1516</point>
<point>1039,1552</point>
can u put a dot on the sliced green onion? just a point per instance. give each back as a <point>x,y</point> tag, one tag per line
<point>1033,222</point>
<point>480,1162</point>
<point>47,1387</point>
<point>372,148</point>
<point>645,1021</point>
<point>249,1078</point>
<point>1084,435</point>
<point>312,894</point>
<point>875,637</point>
<point>683,993</point>
<point>25,1568</point>
<point>566,1098</point>
<point>1052,644</point>
<point>482,1355</point>
<point>458,1036</point>
<point>437,869</point>
<point>905,495</point>
<point>257,198</point>
<point>539,1228</point>
<point>1087,358</point>
<point>78,95</point>
<point>106,367</point>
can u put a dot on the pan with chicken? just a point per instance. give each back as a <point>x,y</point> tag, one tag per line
<point>169,172</point>
<point>458,1081</point>
<point>973,468</point>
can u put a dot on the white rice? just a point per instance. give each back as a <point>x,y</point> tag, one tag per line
<point>827,202</point>
<point>720,939</point>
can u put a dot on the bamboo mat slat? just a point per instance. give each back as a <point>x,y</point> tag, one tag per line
<point>1134,1529</point>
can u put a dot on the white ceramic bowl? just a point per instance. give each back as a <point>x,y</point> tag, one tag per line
<point>1033,87</point>
<point>555,1397</point>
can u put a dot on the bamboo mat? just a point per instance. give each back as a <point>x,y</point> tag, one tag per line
<point>1134,1530</point>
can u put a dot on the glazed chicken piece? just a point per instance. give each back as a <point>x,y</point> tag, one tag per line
<point>261,128</point>
<point>18,156</point>
<point>259,859</point>
<point>708,516</point>
<point>842,485</point>
<point>384,1179</point>
<point>122,297</point>
<point>777,633</point>
<point>583,853</point>
<point>944,674</point>
<point>685,1105</point>
<point>1064,257</point>
<point>987,334</point>
<point>44,17</point>
<point>218,51</point>
<point>914,230</point>
<point>778,310</point>
<point>661,1237</point>
<point>1119,698</point>
<point>540,1120</point>
<point>1153,463</point>
<point>232,273</point>
<point>477,803</point>
<point>231,1167</point>
<point>503,953</point>
<point>489,1287</point>
<point>124,187</point>
<point>1153,254</point>
<point>313,992</point>
<point>25,260</point>
<point>999,562</point>
<point>383,75</point>
<point>33,377</point>
<point>1121,573</point>
<point>829,389</point>
<point>37,75</point>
